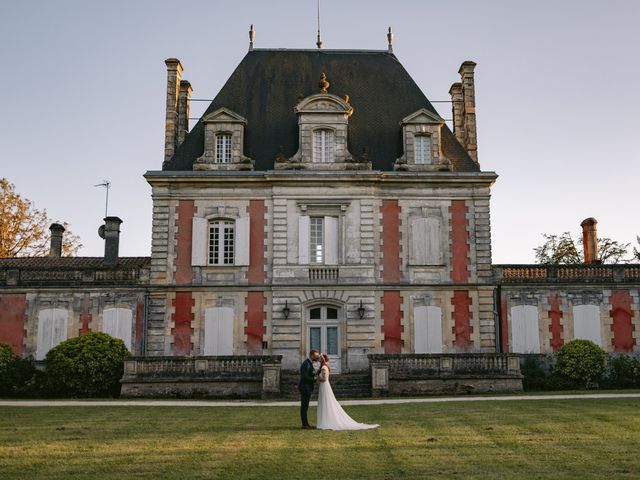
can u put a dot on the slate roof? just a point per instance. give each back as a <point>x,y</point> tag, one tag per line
<point>266,85</point>
<point>70,263</point>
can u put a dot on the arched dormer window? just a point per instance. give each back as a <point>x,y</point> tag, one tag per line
<point>323,146</point>
<point>221,242</point>
<point>223,148</point>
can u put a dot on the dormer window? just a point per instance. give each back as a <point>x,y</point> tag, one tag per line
<point>423,149</point>
<point>223,148</point>
<point>323,146</point>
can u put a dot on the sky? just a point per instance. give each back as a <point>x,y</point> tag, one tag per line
<point>83,98</point>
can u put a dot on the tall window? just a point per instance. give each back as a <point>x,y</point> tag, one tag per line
<point>423,149</point>
<point>317,239</point>
<point>221,242</point>
<point>223,148</point>
<point>323,146</point>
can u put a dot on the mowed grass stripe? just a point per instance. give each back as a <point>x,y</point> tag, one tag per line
<point>586,438</point>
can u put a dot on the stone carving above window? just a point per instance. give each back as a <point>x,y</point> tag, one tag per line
<point>323,120</point>
<point>422,143</point>
<point>223,142</point>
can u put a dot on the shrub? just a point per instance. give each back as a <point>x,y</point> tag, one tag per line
<point>86,366</point>
<point>623,371</point>
<point>18,376</point>
<point>582,362</point>
<point>538,374</point>
<point>6,355</point>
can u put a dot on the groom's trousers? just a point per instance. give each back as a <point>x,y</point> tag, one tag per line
<point>305,398</point>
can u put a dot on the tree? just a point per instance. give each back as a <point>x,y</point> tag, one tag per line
<point>636,252</point>
<point>24,230</point>
<point>562,250</point>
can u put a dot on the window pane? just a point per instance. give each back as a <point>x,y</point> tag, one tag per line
<point>332,340</point>
<point>323,146</point>
<point>314,314</point>
<point>221,242</point>
<point>223,148</point>
<point>332,314</point>
<point>317,240</point>
<point>423,149</point>
<point>314,338</point>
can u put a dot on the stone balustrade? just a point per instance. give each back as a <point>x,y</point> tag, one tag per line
<point>515,274</point>
<point>215,377</point>
<point>415,374</point>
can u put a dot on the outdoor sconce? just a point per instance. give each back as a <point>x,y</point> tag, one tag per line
<point>361,310</point>
<point>285,310</point>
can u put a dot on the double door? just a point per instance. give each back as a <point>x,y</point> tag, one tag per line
<point>324,334</point>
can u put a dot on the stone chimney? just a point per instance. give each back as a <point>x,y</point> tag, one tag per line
<point>457,106</point>
<point>470,140</point>
<point>184,101</point>
<point>56,240</point>
<point>174,70</point>
<point>111,235</point>
<point>590,240</point>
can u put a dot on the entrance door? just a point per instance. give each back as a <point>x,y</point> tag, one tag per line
<point>324,334</point>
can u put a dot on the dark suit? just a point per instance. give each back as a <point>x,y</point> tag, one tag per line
<point>305,386</point>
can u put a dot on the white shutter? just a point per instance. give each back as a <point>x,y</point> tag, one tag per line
<point>417,246</point>
<point>118,323</point>
<point>242,241</point>
<point>586,323</point>
<point>420,329</point>
<point>52,330</point>
<point>525,337</point>
<point>304,225</point>
<point>331,240</point>
<point>427,329</point>
<point>218,331</point>
<point>199,240</point>
<point>433,253</point>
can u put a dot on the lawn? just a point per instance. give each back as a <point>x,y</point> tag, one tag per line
<point>583,438</point>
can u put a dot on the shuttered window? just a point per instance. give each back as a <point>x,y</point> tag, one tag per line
<point>423,149</point>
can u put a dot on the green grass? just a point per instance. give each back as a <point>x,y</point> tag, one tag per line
<point>521,439</point>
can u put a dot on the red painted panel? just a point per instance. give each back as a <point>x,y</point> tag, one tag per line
<point>12,317</point>
<point>392,321</point>
<point>622,326</point>
<point>462,328</point>
<point>390,246</point>
<point>139,326</point>
<point>184,223</point>
<point>459,242</point>
<point>256,273</point>
<point>504,324</point>
<point>556,328</point>
<point>182,323</point>
<point>255,321</point>
<point>85,316</point>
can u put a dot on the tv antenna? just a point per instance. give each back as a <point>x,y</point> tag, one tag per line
<point>107,185</point>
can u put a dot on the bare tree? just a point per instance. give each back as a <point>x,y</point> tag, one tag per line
<point>24,230</point>
<point>562,250</point>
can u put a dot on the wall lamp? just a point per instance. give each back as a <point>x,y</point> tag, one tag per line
<point>285,310</point>
<point>361,310</point>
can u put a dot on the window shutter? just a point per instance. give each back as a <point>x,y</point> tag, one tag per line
<point>433,254</point>
<point>218,331</point>
<point>331,240</point>
<point>242,241</point>
<point>199,240</point>
<point>434,330</point>
<point>45,326</point>
<point>304,223</point>
<point>418,243</point>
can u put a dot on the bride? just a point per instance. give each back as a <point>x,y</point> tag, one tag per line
<point>331,416</point>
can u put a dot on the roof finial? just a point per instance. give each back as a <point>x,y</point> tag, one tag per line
<point>324,84</point>
<point>390,39</point>
<point>252,35</point>
<point>319,42</point>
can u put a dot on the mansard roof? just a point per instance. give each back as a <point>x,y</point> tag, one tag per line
<point>267,85</point>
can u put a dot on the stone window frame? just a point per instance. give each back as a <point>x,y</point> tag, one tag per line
<point>221,250</point>
<point>422,123</point>
<point>223,121</point>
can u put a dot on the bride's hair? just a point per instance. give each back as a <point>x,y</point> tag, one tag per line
<point>325,360</point>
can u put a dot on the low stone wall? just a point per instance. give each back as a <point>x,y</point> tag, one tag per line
<point>444,374</point>
<point>202,377</point>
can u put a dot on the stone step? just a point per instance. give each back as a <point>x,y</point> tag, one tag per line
<point>346,385</point>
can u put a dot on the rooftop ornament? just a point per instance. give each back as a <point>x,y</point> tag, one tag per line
<point>390,40</point>
<point>324,84</point>
<point>252,36</point>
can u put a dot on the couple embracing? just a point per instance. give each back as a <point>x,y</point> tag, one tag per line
<point>330,415</point>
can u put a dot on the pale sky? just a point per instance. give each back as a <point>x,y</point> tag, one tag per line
<point>558,105</point>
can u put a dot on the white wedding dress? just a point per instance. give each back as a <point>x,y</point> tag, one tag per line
<point>331,416</point>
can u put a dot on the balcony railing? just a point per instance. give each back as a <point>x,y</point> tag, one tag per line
<point>323,274</point>
<point>510,274</point>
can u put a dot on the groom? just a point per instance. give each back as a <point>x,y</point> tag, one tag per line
<point>306,384</point>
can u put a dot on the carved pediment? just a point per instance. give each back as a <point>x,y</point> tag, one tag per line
<point>423,116</point>
<point>224,115</point>
<point>323,103</point>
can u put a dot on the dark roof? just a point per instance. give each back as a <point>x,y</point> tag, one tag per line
<point>266,86</point>
<point>67,263</point>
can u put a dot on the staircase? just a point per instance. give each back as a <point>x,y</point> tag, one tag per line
<point>345,385</point>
